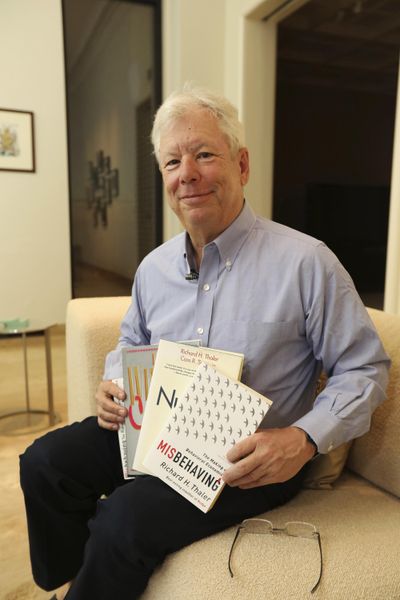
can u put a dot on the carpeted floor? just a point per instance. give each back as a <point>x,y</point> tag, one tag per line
<point>16,433</point>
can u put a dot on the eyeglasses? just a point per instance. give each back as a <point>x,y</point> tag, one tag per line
<point>292,528</point>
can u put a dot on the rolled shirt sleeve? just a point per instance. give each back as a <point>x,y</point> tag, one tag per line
<point>344,339</point>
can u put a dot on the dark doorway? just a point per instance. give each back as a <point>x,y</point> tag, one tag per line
<point>113,80</point>
<point>335,110</point>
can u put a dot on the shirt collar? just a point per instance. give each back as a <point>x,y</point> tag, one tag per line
<point>229,241</point>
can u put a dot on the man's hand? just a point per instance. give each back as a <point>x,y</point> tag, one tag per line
<point>268,456</point>
<point>109,413</point>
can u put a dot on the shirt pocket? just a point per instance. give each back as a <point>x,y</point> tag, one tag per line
<point>254,337</point>
<point>271,350</point>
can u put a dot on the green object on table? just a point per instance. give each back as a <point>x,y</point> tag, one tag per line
<point>14,324</point>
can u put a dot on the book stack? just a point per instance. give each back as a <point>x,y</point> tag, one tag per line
<point>195,410</point>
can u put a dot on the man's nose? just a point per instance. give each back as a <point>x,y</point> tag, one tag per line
<point>189,170</point>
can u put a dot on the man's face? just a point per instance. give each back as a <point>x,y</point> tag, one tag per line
<point>203,180</point>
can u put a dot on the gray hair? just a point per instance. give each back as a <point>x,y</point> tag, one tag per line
<point>180,103</point>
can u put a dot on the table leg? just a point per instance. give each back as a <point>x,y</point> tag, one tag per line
<point>28,404</point>
<point>44,332</point>
<point>47,341</point>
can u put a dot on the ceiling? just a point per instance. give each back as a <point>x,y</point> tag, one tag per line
<point>342,43</point>
<point>80,20</point>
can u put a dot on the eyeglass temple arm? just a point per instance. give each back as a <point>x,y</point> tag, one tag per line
<point>320,562</point>
<point>320,556</point>
<point>231,550</point>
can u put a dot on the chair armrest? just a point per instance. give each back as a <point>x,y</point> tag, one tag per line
<point>92,330</point>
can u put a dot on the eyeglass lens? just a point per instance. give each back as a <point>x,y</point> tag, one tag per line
<point>293,528</point>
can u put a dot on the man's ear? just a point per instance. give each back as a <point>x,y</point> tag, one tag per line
<point>243,158</point>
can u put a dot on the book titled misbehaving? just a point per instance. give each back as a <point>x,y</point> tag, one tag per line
<point>214,413</point>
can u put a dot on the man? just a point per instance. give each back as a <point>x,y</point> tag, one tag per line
<point>239,283</point>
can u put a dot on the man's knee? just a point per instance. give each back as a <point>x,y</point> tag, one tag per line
<point>47,456</point>
<point>32,462</point>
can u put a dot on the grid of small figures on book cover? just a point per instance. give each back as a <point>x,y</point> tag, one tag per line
<point>208,409</point>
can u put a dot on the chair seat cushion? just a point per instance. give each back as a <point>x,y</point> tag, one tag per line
<point>359,526</point>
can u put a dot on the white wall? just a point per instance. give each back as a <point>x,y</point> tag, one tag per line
<point>193,48</point>
<point>34,240</point>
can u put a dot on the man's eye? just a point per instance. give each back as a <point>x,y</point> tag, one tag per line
<point>171,164</point>
<point>205,155</point>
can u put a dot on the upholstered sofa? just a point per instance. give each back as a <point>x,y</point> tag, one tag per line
<point>356,511</point>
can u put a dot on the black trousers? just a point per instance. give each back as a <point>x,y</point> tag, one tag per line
<point>110,547</point>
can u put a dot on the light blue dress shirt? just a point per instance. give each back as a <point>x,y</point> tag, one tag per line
<point>284,300</point>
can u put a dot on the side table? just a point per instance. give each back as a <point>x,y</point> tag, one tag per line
<point>42,329</point>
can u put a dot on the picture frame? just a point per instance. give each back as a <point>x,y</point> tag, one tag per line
<point>17,143</point>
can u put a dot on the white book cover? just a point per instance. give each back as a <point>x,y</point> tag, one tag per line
<point>213,413</point>
<point>174,368</point>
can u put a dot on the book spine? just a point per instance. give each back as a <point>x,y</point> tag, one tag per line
<point>122,438</point>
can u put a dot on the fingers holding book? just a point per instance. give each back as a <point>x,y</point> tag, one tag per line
<point>268,456</point>
<point>109,413</point>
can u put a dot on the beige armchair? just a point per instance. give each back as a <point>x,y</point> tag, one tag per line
<point>358,516</point>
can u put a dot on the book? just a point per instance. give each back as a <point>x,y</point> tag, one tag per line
<point>214,413</point>
<point>175,365</point>
<point>137,368</point>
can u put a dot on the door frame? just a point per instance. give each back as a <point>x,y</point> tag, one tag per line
<point>392,276</point>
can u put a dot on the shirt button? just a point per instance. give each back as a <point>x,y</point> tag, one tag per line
<point>206,287</point>
<point>200,330</point>
<point>228,265</point>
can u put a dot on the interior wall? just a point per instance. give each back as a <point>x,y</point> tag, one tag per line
<point>35,274</point>
<point>192,50</point>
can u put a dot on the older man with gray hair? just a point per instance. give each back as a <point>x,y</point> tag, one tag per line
<point>238,282</point>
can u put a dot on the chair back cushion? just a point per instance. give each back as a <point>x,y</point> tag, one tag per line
<point>376,455</point>
<point>92,330</point>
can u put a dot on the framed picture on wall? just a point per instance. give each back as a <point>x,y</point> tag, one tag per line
<point>17,149</point>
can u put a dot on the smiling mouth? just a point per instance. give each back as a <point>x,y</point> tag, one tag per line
<point>195,196</point>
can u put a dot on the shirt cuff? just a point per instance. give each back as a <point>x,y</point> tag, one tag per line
<point>325,429</point>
